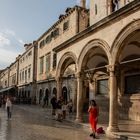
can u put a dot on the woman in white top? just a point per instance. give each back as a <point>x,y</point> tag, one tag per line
<point>8,108</point>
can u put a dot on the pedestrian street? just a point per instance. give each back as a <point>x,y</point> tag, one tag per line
<point>29,123</point>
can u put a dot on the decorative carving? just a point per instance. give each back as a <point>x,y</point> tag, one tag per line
<point>114,69</point>
<point>80,74</point>
<point>111,68</point>
<point>58,79</point>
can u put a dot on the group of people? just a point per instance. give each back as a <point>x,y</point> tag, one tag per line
<point>60,107</point>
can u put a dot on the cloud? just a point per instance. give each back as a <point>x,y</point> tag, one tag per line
<point>7,57</point>
<point>21,41</point>
<point>10,32</point>
<point>4,40</point>
<point>10,47</point>
<point>10,41</point>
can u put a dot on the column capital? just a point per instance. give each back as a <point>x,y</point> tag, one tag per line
<point>79,74</point>
<point>110,68</point>
<point>113,68</point>
<point>58,78</point>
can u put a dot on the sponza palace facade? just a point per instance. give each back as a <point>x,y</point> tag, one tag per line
<point>87,54</point>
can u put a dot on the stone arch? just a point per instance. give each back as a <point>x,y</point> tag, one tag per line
<point>65,93</point>
<point>47,92</point>
<point>54,91</point>
<point>125,33</point>
<point>126,52</point>
<point>63,64</point>
<point>46,96</point>
<point>94,57</point>
<point>40,95</point>
<point>94,44</point>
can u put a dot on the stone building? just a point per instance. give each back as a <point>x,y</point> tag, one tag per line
<point>8,80</point>
<point>19,79</point>
<point>88,54</point>
<point>99,62</point>
<point>27,72</point>
<point>4,80</point>
<point>71,23</point>
<point>13,77</point>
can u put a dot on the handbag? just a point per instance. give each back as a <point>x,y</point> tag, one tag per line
<point>100,130</point>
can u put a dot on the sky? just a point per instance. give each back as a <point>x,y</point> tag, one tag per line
<point>23,21</point>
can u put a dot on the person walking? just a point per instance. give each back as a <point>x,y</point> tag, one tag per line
<point>70,106</point>
<point>59,114</point>
<point>9,108</point>
<point>64,109</point>
<point>54,104</point>
<point>93,117</point>
<point>45,101</point>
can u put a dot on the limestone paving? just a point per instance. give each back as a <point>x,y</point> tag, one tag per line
<point>36,123</point>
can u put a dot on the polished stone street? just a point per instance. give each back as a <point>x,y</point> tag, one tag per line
<point>33,123</point>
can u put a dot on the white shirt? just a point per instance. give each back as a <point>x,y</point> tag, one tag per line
<point>64,107</point>
<point>8,103</point>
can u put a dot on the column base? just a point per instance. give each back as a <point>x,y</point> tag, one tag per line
<point>114,128</point>
<point>78,120</point>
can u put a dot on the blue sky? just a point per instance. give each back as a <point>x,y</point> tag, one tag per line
<point>23,21</point>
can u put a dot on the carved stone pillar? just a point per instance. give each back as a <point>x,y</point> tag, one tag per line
<point>59,87</point>
<point>113,108</point>
<point>79,97</point>
<point>91,90</point>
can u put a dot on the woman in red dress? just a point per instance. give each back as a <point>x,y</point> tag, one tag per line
<point>93,115</point>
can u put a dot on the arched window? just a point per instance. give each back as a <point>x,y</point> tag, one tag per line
<point>40,95</point>
<point>47,93</point>
<point>54,91</point>
<point>28,94</point>
<point>65,94</point>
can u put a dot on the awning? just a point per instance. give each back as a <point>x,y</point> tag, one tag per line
<point>5,89</point>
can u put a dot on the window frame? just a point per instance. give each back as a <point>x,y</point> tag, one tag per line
<point>65,25</point>
<point>41,65</point>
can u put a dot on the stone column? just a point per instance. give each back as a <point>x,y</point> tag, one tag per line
<point>79,97</point>
<point>109,7</point>
<point>59,87</point>
<point>91,90</point>
<point>113,108</point>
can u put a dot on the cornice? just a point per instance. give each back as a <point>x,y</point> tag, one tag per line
<point>127,9</point>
